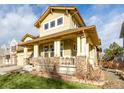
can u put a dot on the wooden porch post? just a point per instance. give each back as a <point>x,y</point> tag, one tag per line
<point>95,56</point>
<point>25,52</point>
<point>57,48</point>
<point>87,51</point>
<point>78,45</point>
<point>36,51</point>
<point>83,43</point>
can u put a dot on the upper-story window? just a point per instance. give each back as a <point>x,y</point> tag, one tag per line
<point>46,26</point>
<point>52,24</point>
<point>60,21</point>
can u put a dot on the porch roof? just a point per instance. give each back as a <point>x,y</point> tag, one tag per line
<point>89,30</point>
<point>28,35</point>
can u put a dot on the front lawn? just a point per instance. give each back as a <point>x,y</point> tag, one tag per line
<point>29,81</point>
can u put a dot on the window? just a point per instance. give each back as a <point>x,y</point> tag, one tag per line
<point>46,26</point>
<point>52,24</point>
<point>60,21</point>
<point>61,50</point>
<point>46,48</point>
<point>13,48</point>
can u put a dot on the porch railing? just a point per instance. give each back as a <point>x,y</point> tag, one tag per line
<point>67,61</point>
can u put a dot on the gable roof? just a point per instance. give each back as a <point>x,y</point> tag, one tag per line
<point>28,35</point>
<point>122,31</point>
<point>72,9</point>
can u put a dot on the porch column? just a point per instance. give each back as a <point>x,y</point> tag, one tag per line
<point>36,50</point>
<point>83,46</point>
<point>57,48</point>
<point>25,52</point>
<point>78,45</point>
<point>87,50</point>
<point>95,56</point>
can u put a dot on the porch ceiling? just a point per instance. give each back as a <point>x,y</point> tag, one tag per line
<point>90,31</point>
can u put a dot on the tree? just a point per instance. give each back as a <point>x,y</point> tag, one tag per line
<point>114,50</point>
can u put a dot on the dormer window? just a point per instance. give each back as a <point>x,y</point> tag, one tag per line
<point>60,21</point>
<point>46,26</point>
<point>52,24</point>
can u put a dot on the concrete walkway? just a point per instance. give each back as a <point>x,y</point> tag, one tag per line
<point>114,81</point>
<point>4,70</point>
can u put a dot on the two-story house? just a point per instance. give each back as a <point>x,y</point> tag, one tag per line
<point>63,34</point>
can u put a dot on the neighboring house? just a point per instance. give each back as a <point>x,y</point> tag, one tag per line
<point>9,56</point>
<point>122,33</point>
<point>122,36</point>
<point>1,55</point>
<point>63,34</point>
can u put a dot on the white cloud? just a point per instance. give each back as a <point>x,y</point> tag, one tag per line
<point>108,25</point>
<point>110,30</point>
<point>17,22</point>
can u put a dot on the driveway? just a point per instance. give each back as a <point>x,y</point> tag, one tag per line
<point>4,70</point>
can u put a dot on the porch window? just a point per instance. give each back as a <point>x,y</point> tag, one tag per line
<point>51,51</point>
<point>52,24</point>
<point>46,26</point>
<point>74,49</point>
<point>61,50</point>
<point>46,49</point>
<point>60,21</point>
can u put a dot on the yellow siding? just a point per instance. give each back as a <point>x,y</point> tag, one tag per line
<point>27,39</point>
<point>68,23</point>
<point>68,48</point>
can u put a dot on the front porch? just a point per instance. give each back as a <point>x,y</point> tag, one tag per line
<point>67,49</point>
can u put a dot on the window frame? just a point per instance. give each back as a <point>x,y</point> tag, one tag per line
<point>57,21</point>
<point>56,26</point>
<point>48,26</point>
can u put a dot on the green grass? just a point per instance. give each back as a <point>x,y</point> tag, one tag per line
<point>29,81</point>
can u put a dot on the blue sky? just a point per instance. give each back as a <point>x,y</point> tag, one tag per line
<point>17,20</point>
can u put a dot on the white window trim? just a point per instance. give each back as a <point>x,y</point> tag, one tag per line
<point>44,26</point>
<point>56,26</point>
<point>48,49</point>
<point>50,24</point>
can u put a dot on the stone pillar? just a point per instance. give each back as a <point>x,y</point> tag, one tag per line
<point>25,52</point>
<point>57,48</point>
<point>36,51</point>
<point>83,46</point>
<point>78,45</point>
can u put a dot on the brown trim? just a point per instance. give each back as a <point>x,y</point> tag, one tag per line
<point>28,35</point>
<point>91,31</point>
<point>37,24</point>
